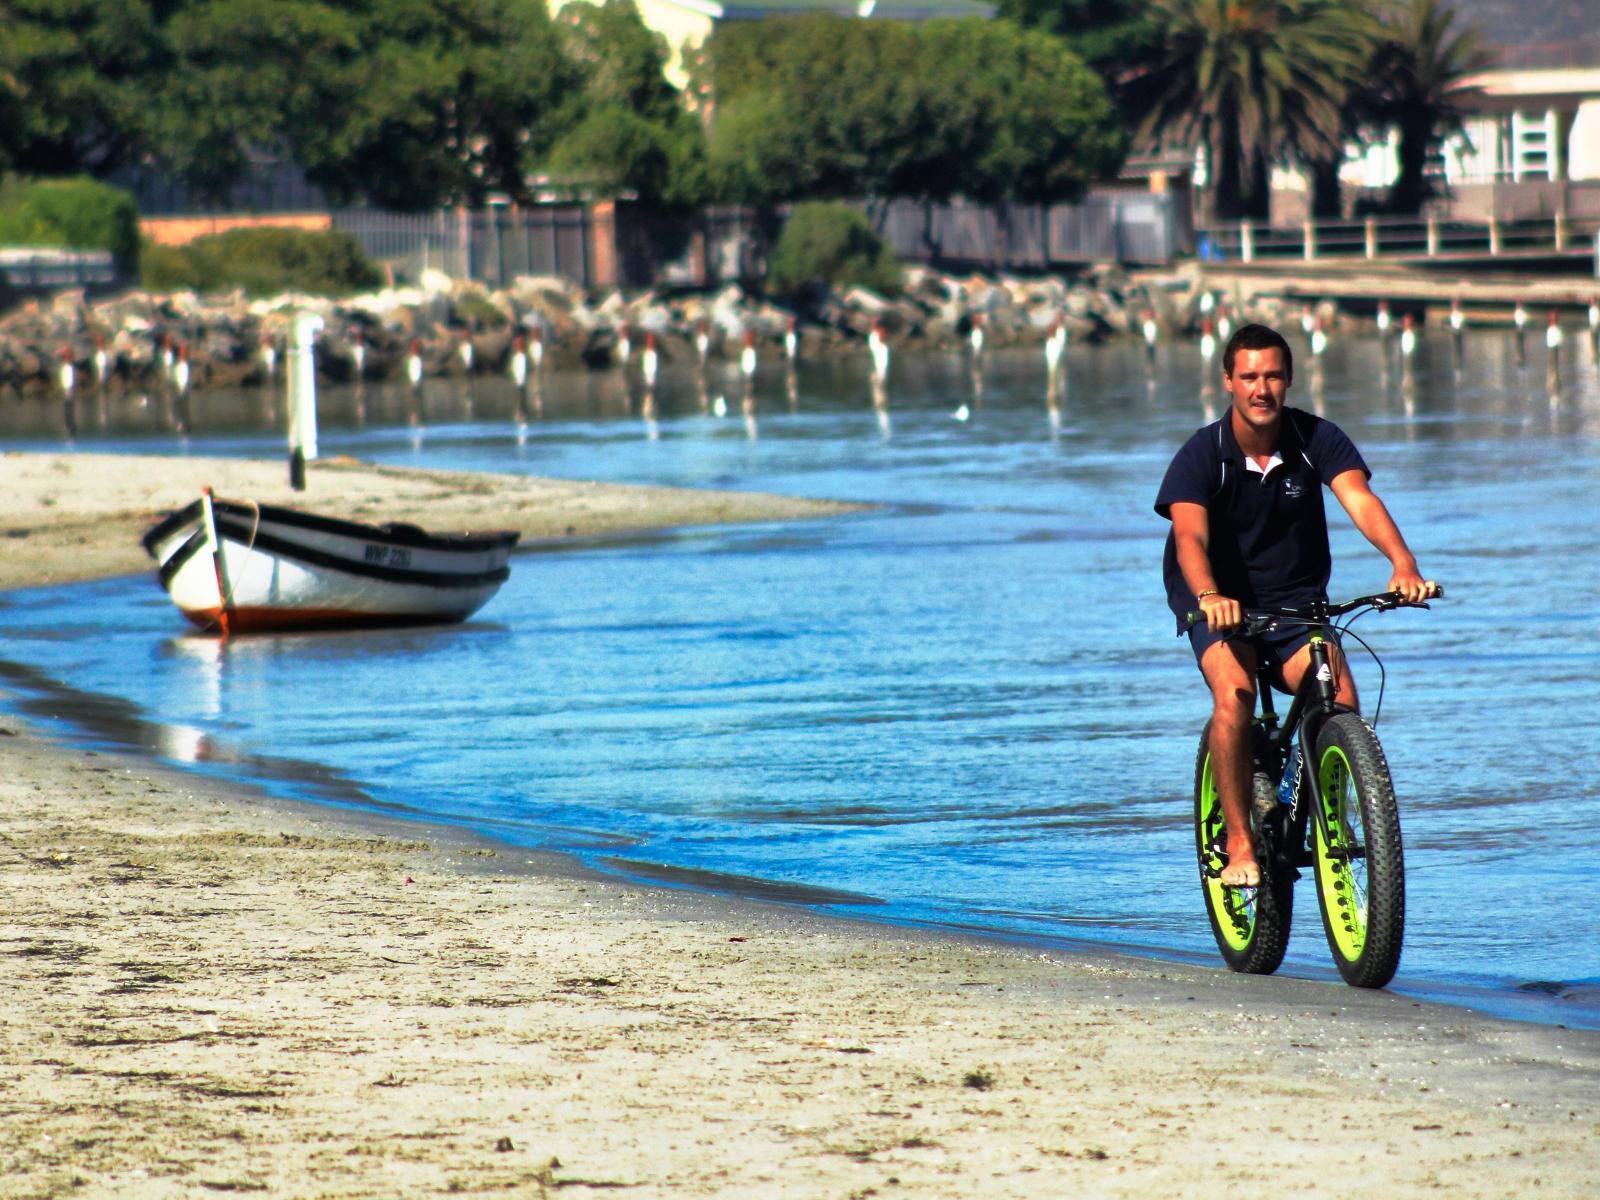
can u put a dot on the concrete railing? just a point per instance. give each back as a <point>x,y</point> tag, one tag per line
<point>1399,239</point>
<point>32,270</point>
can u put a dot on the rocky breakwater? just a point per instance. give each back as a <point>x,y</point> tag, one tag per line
<point>143,342</point>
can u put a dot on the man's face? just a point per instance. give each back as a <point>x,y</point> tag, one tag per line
<point>1259,382</point>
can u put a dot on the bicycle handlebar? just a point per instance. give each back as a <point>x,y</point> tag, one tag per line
<point>1258,619</point>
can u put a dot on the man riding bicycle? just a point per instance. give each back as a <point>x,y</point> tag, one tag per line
<point>1248,529</point>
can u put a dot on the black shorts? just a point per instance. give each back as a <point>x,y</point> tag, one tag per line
<point>1276,646</point>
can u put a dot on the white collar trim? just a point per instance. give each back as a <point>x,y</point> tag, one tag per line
<point>1250,464</point>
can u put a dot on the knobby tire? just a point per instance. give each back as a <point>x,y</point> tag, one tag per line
<point>1251,925</point>
<point>1360,866</point>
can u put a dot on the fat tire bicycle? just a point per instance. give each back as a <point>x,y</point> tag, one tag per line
<point>1322,800</point>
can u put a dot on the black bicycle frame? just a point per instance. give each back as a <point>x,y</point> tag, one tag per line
<point>1314,703</point>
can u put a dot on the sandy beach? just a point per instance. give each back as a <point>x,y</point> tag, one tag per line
<point>214,991</point>
<point>71,517</point>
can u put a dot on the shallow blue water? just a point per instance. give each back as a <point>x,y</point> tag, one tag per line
<point>965,708</point>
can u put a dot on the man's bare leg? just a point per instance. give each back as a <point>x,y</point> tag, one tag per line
<point>1230,672</point>
<point>1295,670</point>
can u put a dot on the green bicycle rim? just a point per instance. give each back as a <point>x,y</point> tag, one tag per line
<point>1342,881</point>
<point>1234,908</point>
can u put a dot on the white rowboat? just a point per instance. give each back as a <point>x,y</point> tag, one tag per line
<point>242,567</point>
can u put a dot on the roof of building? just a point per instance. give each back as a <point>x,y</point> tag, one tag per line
<point>1535,34</point>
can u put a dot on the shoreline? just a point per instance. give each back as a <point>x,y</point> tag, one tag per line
<point>218,990</point>
<point>74,726</point>
<point>214,990</point>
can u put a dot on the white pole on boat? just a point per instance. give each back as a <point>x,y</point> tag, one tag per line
<point>302,398</point>
<point>213,545</point>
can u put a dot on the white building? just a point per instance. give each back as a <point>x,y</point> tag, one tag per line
<point>1530,143</point>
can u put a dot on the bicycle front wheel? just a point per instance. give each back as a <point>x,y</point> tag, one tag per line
<point>1251,925</point>
<point>1360,868</point>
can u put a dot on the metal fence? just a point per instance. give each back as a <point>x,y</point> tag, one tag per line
<point>492,245</point>
<point>633,247</point>
<point>1130,227</point>
<point>624,244</point>
<point>266,186</point>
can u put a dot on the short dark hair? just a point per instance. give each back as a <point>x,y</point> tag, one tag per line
<point>1257,337</point>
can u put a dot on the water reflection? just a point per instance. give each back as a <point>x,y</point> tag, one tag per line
<point>1480,379</point>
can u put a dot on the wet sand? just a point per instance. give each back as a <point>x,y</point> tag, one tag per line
<point>212,991</point>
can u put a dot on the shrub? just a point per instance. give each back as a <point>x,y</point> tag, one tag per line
<point>828,242</point>
<point>614,149</point>
<point>74,214</point>
<point>264,261</point>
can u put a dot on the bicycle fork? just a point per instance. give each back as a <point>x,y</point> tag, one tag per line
<point>1301,726</point>
<point>1309,728</point>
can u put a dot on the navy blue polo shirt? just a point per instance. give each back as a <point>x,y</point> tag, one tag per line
<point>1269,533</point>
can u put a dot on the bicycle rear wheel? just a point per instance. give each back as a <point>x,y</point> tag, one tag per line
<point>1360,867</point>
<point>1251,925</point>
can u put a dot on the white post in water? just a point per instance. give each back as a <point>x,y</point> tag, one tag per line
<point>302,398</point>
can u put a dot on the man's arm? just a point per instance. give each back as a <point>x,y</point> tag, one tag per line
<point>1191,532</point>
<point>1372,518</point>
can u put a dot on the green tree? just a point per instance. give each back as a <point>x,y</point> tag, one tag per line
<point>622,62</point>
<point>757,153</point>
<point>1253,81</point>
<point>406,104</point>
<point>613,149</point>
<point>819,106</point>
<point>75,79</point>
<point>1422,60</point>
<point>1112,36</point>
<point>445,101</point>
<point>626,128</point>
<point>824,106</point>
<point>1020,117</point>
<point>241,68</point>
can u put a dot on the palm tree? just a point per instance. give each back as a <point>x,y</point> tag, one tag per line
<point>1419,68</point>
<point>1255,82</point>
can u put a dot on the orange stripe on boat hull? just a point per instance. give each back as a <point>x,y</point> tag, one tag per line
<point>247,619</point>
